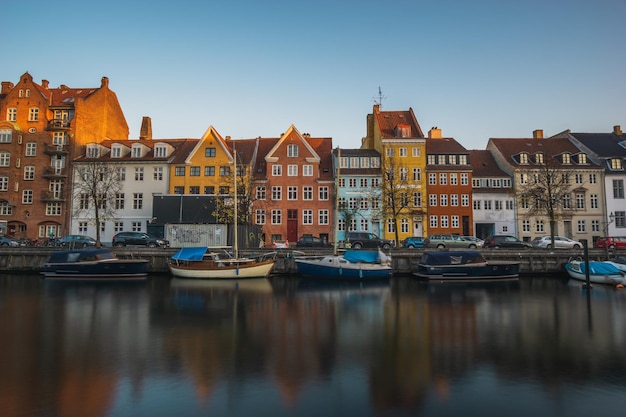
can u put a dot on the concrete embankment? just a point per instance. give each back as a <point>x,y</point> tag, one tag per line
<point>545,261</point>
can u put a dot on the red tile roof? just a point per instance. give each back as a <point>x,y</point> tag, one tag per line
<point>389,120</point>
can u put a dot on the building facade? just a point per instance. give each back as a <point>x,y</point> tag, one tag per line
<point>399,139</point>
<point>449,174</point>
<point>608,150</point>
<point>577,182</point>
<point>41,130</point>
<point>493,197</point>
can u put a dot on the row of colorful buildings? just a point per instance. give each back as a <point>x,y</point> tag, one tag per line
<point>395,182</point>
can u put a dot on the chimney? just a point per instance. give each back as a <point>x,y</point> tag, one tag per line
<point>104,83</point>
<point>617,130</point>
<point>6,87</point>
<point>145,133</point>
<point>538,134</point>
<point>434,133</point>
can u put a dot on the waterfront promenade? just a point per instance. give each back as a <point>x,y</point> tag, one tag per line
<point>533,261</point>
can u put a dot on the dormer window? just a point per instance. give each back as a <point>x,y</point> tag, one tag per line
<point>523,158</point>
<point>93,151</point>
<point>582,158</point>
<point>116,151</point>
<point>137,151</point>
<point>616,164</point>
<point>566,159</point>
<point>539,158</point>
<point>403,131</point>
<point>160,151</point>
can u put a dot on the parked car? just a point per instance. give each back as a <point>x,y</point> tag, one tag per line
<point>505,241</point>
<point>612,242</point>
<point>280,244</point>
<point>442,241</point>
<point>474,239</point>
<point>311,241</point>
<point>560,242</point>
<point>139,239</point>
<point>8,241</point>
<point>413,242</point>
<point>358,240</point>
<point>76,241</point>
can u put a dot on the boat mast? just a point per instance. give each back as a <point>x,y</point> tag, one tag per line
<point>337,201</point>
<point>236,236</point>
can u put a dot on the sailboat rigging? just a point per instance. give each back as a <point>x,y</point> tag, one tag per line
<point>201,263</point>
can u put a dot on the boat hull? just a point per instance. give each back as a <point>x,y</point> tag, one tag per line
<point>599,272</point>
<point>335,267</point>
<point>122,269</point>
<point>489,271</point>
<point>208,270</point>
<point>466,265</point>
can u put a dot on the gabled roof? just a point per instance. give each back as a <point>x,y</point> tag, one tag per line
<point>444,146</point>
<point>210,133</point>
<point>605,145</point>
<point>552,149</point>
<point>291,132</point>
<point>484,165</point>
<point>182,149</point>
<point>389,121</point>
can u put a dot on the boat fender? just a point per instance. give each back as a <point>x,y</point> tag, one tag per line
<point>619,286</point>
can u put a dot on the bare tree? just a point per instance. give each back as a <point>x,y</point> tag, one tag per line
<point>394,192</point>
<point>97,185</point>
<point>545,190</point>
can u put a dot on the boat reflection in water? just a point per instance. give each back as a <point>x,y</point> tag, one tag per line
<point>292,347</point>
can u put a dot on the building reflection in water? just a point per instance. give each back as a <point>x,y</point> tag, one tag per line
<point>289,344</point>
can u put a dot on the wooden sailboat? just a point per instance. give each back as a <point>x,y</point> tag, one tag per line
<point>352,264</point>
<point>202,263</point>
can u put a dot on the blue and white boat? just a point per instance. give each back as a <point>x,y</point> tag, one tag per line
<point>599,272</point>
<point>464,265</point>
<point>93,265</point>
<point>351,265</point>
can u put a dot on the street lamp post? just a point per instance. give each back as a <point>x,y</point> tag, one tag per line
<point>606,232</point>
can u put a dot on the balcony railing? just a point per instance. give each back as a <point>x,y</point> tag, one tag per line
<point>49,196</point>
<point>58,124</point>
<point>54,172</point>
<point>56,149</point>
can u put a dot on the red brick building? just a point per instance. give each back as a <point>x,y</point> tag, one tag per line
<point>41,131</point>
<point>449,176</point>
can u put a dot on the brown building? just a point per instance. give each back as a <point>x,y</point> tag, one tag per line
<point>449,176</point>
<point>41,130</point>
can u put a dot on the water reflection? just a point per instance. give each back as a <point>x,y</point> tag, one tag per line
<point>289,346</point>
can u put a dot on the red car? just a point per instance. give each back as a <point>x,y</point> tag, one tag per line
<point>612,242</point>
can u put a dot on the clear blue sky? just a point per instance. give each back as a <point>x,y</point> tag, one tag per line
<point>476,69</point>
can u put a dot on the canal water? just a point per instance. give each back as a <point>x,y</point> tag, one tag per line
<point>290,347</point>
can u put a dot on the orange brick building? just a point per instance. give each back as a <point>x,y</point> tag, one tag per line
<point>449,177</point>
<point>41,130</point>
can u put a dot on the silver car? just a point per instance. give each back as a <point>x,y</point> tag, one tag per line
<point>560,242</point>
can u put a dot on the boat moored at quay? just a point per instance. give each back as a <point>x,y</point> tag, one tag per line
<point>404,261</point>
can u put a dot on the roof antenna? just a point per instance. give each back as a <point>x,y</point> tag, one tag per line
<point>380,97</point>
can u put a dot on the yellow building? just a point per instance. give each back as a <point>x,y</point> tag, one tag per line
<point>399,139</point>
<point>207,169</point>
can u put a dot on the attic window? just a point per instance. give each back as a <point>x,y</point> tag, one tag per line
<point>93,151</point>
<point>539,158</point>
<point>116,151</point>
<point>622,144</point>
<point>402,131</point>
<point>523,158</point>
<point>615,164</point>
<point>160,151</point>
<point>137,151</point>
<point>582,158</point>
<point>566,159</point>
